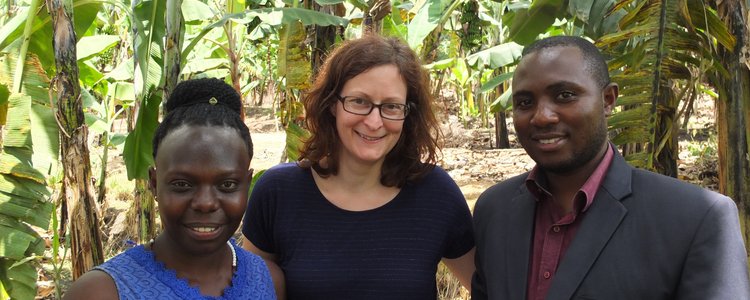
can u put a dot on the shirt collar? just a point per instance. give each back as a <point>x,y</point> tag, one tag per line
<point>537,183</point>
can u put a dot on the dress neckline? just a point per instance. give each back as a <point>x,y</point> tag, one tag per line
<point>181,286</point>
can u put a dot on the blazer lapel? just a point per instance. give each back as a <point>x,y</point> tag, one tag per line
<point>598,225</point>
<point>521,226</point>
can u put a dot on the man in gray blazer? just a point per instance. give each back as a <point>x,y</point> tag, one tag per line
<point>583,224</point>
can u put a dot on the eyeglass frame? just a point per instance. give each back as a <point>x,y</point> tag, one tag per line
<point>407,107</point>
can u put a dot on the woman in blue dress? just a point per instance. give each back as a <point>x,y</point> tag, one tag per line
<point>202,152</point>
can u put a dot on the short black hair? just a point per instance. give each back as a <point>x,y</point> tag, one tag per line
<point>203,102</point>
<point>595,62</point>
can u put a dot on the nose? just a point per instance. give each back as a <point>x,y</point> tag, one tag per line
<point>373,120</point>
<point>544,114</point>
<point>205,200</point>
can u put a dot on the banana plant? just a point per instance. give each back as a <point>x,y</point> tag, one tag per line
<point>28,158</point>
<point>76,191</point>
<point>663,47</point>
<point>31,138</point>
<point>424,28</point>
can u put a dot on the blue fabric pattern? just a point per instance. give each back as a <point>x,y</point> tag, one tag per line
<point>138,275</point>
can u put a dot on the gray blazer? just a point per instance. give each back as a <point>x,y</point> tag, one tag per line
<point>646,236</point>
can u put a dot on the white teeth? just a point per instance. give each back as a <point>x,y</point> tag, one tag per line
<point>368,138</point>
<point>549,141</point>
<point>203,229</point>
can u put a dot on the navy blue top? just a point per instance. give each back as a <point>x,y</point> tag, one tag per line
<point>390,252</point>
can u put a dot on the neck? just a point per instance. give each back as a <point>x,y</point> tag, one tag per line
<point>356,187</point>
<point>565,185</point>
<point>193,267</point>
<point>359,176</point>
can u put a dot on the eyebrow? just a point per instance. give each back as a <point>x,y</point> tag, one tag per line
<point>384,100</point>
<point>520,93</point>
<point>562,84</point>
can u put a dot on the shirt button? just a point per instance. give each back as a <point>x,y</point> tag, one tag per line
<point>547,275</point>
<point>556,228</point>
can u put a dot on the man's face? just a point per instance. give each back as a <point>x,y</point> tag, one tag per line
<point>559,110</point>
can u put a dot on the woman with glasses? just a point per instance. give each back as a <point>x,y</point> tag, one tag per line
<point>365,213</point>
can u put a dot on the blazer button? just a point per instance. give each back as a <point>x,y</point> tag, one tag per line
<point>556,228</point>
<point>547,275</point>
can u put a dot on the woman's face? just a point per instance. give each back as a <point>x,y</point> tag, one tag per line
<point>366,139</point>
<point>201,180</point>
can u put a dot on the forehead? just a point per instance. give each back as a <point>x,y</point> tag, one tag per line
<point>191,142</point>
<point>553,64</point>
<point>380,78</point>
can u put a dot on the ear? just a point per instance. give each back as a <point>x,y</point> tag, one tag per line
<point>152,180</point>
<point>609,95</point>
<point>333,108</point>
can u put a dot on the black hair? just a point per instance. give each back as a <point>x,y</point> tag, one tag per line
<point>596,65</point>
<point>203,102</point>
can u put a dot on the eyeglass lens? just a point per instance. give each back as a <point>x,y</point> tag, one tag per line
<point>359,106</point>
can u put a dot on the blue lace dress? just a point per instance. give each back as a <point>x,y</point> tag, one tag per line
<point>138,275</point>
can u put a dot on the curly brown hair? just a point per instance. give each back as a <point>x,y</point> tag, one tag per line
<point>416,151</point>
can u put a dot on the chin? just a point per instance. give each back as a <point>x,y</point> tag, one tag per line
<point>558,167</point>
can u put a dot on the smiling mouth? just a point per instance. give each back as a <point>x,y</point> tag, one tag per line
<point>368,138</point>
<point>549,141</point>
<point>203,229</point>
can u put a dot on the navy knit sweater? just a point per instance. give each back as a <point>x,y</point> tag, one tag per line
<point>390,252</point>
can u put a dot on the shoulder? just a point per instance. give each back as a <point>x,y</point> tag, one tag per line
<point>505,189</point>
<point>250,259</point>
<point>436,181</point>
<point>252,278</point>
<point>282,173</point>
<point>95,284</point>
<point>437,175</point>
<point>672,190</point>
<point>284,169</point>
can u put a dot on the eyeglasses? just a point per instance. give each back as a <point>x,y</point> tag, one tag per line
<point>363,107</point>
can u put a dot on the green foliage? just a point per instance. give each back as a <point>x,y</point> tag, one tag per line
<point>662,51</point>
<point>295,137</point>
<point>528,23</point>
<point>429,16</point>
<point>23,201</point>
<point>497,56</point>
<point>138,149</point>
<point>90,46</point>
<point>294,56</point>
<point>12,33</point>
<point>148,48</point>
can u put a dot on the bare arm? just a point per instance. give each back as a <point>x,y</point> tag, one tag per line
<point>93,285</point>
<point>277,275</point>
<point>462,267</point>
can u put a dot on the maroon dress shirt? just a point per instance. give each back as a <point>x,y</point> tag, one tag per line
<point>554,230</point>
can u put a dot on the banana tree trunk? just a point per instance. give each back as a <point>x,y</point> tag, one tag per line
<point>325,37</point>
<point>373,19</point>
<point>733,114</point>
<point>144,208</point>
<point>86,244</point>
<point>501,131</point>
<point>172,46</point>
